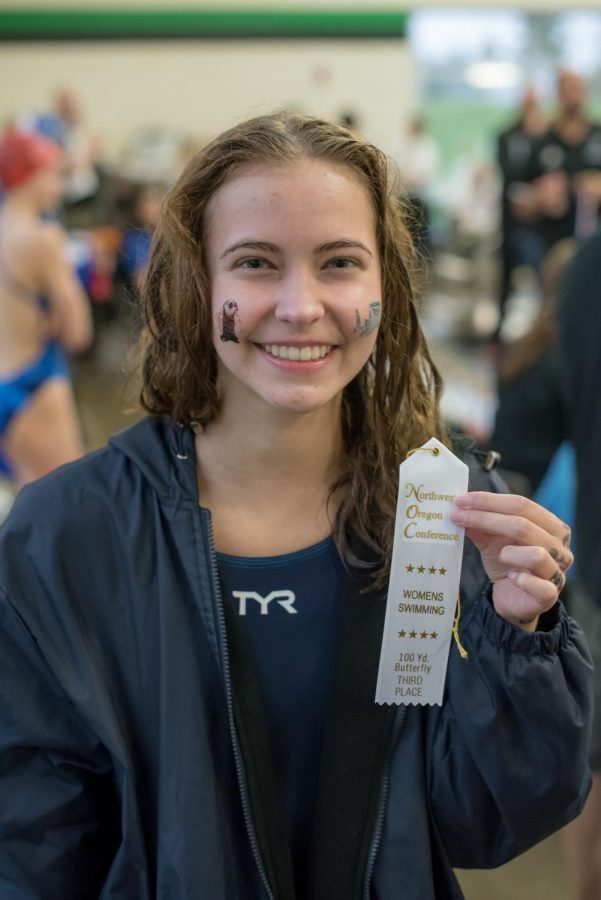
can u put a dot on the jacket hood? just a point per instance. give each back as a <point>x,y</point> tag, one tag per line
<point>163,452</point>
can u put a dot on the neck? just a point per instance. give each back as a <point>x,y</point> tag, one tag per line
<point>533,122</point>
<point>268,486</point>
<point>572,123</point>
<point>287,452</point>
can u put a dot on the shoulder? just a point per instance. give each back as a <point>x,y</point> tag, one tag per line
<point>594,135</point>
<point>77,540</point>
<point>69,544</point>
<point>67,505</point>
<point>50,239</point>
<point>101,491</point>
<point>35,235</point>
<point>579,295</point>
<point>508,132</point>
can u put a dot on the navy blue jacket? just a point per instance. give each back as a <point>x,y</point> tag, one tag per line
<point>133,757</point>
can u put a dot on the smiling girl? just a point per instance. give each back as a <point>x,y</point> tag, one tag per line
<point>188,660</point>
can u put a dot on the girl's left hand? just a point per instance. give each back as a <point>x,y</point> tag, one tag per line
<point>525,550</point>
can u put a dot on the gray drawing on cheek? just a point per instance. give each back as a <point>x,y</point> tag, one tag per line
<point>365,327</point>
<point>228,321</point>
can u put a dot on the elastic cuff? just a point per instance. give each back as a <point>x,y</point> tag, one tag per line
<point>553,631</point>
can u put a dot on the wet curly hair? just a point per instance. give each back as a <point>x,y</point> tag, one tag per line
<point>392,404</point>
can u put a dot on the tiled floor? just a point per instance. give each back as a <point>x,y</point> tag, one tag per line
<point>536,875</point>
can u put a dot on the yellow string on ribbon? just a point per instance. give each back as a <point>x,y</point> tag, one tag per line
<point>462,651</point>
<point>433,450</point>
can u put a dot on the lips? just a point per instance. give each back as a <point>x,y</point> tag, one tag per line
<point>297,354</point>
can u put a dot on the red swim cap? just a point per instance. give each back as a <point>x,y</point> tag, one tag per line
<point>23,154</point>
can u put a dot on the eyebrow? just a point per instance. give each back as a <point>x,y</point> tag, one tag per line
<point>249,244</point>
<point>341,244</point>
<point>267,247</point>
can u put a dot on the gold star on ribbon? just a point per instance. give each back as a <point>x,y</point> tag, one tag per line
<point>434,635</point>
<point>409,568</point>
<point>421,570</point>
<point>443,571</point>
<point>432,570</point>
<point>401,634</point>
<point>424,634</point>
<point>412,634</point>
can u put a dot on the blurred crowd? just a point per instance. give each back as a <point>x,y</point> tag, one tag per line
<point>551,171</point>
<point>107,209</point>
<point>518,215</point>
<point>521,213</point>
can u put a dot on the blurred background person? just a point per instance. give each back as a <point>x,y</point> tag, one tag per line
<point>64,124</point>
<point>521,240</point>
<point>81,149</point>
<point>580,330</point>
<point>566,192</point>
<point>43,310</point>
<point>137,235</point>
<point>531,419</point>
<point>418,158</point>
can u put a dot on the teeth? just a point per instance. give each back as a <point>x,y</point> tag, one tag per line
<point>304,354</point>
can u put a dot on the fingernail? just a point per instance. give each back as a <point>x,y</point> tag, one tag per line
<point>462,500</point>
<point>458,516</point>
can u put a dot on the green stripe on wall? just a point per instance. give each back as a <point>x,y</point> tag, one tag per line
<point>96,24</point>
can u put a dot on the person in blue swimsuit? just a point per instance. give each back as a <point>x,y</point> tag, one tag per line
<point>43,312</point>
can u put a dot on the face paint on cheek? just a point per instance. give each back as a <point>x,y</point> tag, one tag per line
<point>229,321</point>
<point>365,327</point>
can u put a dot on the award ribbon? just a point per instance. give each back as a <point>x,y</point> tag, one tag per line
<point>424,579</point>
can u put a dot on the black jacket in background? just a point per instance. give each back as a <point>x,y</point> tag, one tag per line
<point>580,321</point>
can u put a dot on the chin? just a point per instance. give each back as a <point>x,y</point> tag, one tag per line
<point>301,402</point>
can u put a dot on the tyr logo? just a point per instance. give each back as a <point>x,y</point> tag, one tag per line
<point>284,598</point>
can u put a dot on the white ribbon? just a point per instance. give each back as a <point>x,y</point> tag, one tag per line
<point>424,578</point>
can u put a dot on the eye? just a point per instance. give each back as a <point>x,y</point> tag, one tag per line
<point>341,262</point>
<point>253,263</point>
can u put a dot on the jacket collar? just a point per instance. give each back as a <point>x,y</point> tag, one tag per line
<point>164,453</point>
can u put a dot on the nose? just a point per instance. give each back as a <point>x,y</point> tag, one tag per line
<point>300,299</point>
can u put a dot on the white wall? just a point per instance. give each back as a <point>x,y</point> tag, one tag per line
<point>203,87</point>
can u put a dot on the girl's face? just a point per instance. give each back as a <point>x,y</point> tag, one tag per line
<point>295,279</point>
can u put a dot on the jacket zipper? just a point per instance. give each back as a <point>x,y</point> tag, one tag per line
<point>250,828</point>
<point>377,837</point>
